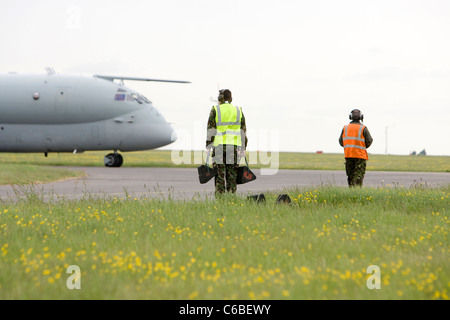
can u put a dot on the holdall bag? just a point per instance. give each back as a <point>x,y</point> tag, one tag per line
<point>257,197</point>
<point>205,172</point>
<point>283,198</point>
<point>244,174</point>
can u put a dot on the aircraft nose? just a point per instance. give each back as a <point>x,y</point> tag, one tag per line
<point>169,136</point>
<point>163,135</point>
<point>173,136</point>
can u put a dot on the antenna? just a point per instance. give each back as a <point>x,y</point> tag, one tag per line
<point>386,133</point>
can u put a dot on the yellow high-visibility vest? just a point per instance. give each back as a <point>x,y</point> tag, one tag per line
<point>228,125</point>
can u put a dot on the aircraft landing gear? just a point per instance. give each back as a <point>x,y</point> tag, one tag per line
<point>113,160</point>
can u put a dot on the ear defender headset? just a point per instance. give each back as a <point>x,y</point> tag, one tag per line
<point>361,116</point>
<point>222,93</point>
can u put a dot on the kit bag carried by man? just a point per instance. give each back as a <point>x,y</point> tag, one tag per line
<point>205,172</point>
<point>244,174</point>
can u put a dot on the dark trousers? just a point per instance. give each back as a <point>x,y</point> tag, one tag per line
<point>355,169</point>
<point>225,160</point>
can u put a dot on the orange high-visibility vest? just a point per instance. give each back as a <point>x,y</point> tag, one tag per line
<point>354,142</point>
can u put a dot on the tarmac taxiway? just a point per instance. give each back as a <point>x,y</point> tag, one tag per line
<point>183,183</point>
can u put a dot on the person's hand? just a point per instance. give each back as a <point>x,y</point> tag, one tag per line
<point>241,153</point>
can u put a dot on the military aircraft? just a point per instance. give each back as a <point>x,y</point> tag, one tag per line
<point>67,113</point>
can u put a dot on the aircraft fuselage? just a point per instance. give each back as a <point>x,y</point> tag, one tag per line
<point>60,113</point>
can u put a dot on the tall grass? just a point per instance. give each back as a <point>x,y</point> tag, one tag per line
<point>317,247</point>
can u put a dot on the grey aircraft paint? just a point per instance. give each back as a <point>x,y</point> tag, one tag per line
<point>64,113</point>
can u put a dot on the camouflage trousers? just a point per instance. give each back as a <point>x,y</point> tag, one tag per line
<point>355,169</point>
<point>226,161</point>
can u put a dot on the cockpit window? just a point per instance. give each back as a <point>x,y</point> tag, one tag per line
<point>135,97</point>
<point>145,99</point>
<point>138,98</point>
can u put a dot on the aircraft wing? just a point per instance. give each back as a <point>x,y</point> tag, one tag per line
<point>112,78</point>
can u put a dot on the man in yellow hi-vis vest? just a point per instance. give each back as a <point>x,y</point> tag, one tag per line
<point>355,138</point>
<point>227,138</point>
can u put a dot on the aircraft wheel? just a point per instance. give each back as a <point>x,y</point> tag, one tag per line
<point>120,160</point>
<point>109,160</point>
<point>113,160</point>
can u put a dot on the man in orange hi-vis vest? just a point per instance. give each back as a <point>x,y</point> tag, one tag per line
<point>355,138</point>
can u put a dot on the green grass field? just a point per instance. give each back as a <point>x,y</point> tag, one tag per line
<point>285,160</point>
<point>20,174</point>
<point>318,247</point>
